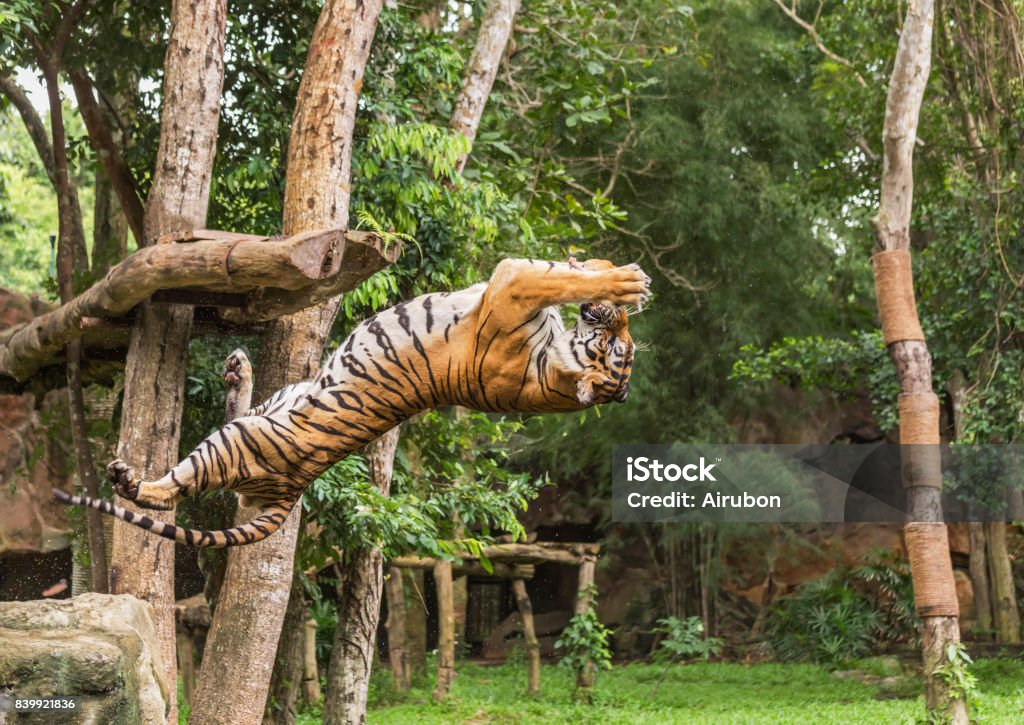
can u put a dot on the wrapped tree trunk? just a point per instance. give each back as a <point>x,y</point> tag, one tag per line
<point>143,565</point>
<point>925,532</point>
<point>398,648</point>
<point>529,636</point>
<point>348,675</point>
<point>445,629</point>
<point>236,667</point>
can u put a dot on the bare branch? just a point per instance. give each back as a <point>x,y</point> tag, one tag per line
<point>812,30</point>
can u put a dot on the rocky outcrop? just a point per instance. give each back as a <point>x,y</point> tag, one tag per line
<point>99,647</point>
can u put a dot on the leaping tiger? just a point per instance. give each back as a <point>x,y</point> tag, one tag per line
<point>496,346</point>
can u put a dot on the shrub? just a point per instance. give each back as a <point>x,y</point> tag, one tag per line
<point>684,639</point>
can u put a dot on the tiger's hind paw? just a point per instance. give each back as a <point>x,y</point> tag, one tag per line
<point>122,476</point>
<point>237,370</point>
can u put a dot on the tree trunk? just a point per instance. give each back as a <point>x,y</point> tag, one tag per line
<point>1004,595</point>
<point>495,30</point>
<point>143,564</point>
<point>529,636</point>
<point>925,532</point>
<point>310,672</point>
<point>282,703</point>
<point>316,196</point>
<point>977,567</point>
<point>587,674</point>
<point>445,629</point>
<point>398,648</point>
<point>70,251</point>
<point>348,675</point>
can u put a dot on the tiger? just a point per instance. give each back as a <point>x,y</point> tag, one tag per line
<point>499,346</point>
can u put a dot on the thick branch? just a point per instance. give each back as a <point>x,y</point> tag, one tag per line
<point>102,141</point>
<point>302,265</point>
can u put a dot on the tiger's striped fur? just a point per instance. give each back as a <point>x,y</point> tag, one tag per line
<point>499,346</point>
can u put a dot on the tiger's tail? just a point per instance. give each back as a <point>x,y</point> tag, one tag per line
<point>265,523</point>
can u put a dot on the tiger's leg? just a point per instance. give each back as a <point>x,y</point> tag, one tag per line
<point>212,464</point>
<point>523,286</point>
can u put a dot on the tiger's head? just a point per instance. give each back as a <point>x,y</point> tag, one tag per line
<point>601,343</point>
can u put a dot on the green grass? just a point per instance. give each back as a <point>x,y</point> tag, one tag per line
<point>696,693</point>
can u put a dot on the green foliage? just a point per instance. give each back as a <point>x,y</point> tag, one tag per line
<point>702,692</point>
<point>684,639</point>
<point>846,614</point>
<point>842,367</point>
<point>447,497</point>
<point>825,621</point>
<point>955,672</point>
<point>585,643</point>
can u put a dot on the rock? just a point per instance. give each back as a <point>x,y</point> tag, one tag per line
<point>100,647</point>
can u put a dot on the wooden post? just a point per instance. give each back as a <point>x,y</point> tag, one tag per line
<point>416,622</point>
<point>310,673</point>
<point>529,635</point>
<point>584,600</point>
<point>445,629</point>
<point>398,653</point>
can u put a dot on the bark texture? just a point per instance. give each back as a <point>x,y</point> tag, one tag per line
<point>362,585</point>
<point>495,30</point>
<point>310,671</point>
<point>316,196</point>
<point>282,704</point>
<point>143,565</point>
<point>925,533</point>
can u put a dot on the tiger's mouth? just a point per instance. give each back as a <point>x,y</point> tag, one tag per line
<point>595,313</point>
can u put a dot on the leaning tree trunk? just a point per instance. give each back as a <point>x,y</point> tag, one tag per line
<point>495,30</point>
<point>529,636</point>
<point>143,564</point>
<point>361,589</point>
<point>925,532</point>
<point>237,668</point>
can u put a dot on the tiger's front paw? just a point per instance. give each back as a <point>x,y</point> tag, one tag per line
<point>123,477</point>
<point>237,370</point>
<point>630,285</point>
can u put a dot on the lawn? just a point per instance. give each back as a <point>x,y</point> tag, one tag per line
<point>695,693</point>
